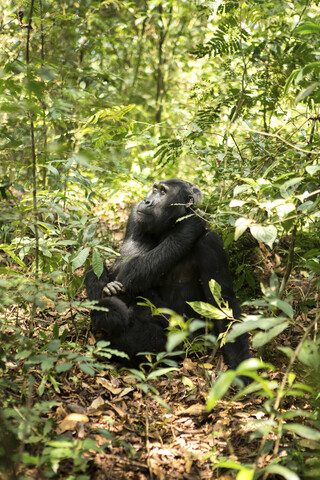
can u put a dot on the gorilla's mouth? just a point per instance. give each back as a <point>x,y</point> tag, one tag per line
<point>143,212</point>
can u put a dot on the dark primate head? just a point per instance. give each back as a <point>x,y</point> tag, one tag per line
<point>167,201</point>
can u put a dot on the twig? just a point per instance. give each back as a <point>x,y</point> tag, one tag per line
<point>289,262</point>
<point>274,135</point>
<point>34,171</point>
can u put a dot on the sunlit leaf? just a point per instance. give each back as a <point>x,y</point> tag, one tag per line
<point>241,226</point>
<point>219,388</point>
<point>97,263</point>
<point>264,234</point>
<point>79,260</point>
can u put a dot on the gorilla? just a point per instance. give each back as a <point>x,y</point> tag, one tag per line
<point>168,256</point>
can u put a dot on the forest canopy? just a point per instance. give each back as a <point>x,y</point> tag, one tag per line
<point>98,99</point>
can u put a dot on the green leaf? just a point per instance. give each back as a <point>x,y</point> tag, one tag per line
<point>309,354</point>
<point>239,328</point>
<point>306,92</point>
<point>303,431</point>
<point>280,470</point>
<point>86,368</point>
<point>245,474</point>
<point>89,232</point>
<point>286,350</point>
<point>241,226</point>
<point>264,234</point>
<point>307,28</point>
<point>262,338</point>
<point>313,169</point>
<point>220,387</point>
<point>174,339</point>
<point>63,367</point>
<point>207,310</point>
<point>290,80</point>
<point>79,260</point>
<point>160,371</point>
<point>54,345</point>
<point>282,305</point>
<point>97,263</point>
<point>290,184</point>
<point>6,248</point>
<point>215,289</point>
<point>252,364</point>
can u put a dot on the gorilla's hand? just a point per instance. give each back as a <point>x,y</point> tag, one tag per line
<point>113,288</point>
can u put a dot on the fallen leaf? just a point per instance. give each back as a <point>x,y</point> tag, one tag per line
<point>196,409</point>
<point>107,385</point>
<point>97,404</point>
<point>70,422</point>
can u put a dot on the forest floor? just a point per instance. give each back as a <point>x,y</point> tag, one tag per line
<point>143,440</point>
<point>146,440</point>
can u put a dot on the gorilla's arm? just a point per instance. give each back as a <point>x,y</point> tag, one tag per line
<point>95,285</point>
<point>213,264</point>
<point>144,270</point>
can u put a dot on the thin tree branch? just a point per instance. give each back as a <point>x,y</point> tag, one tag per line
<point>274,135</point>
<point>33,153</point>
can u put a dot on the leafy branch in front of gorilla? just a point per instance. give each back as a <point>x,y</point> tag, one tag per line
<point>220,312</point>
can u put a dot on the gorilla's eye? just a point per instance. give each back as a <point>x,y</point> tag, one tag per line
<point>162,190</point>
<point>154,189</point>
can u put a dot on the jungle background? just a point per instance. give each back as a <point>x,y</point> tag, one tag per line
<point>97,99</point>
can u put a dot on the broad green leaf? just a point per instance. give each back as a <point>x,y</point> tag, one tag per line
<point>175,339</point>
<point>241,226</point>
<point>280,470</point>
<point>306,92</point>
<point>282,305</point>
<point>97,263</point>
<point>63,367</point>
<point>160,371</point>
<point>245,474</point>
<point>219,388</point>
<point>215,289</point>
<point>54,345</point>
<point>86,368</point>
<point>236,203</point>
<point>290,80</point>
<point>285,209</point>
<point>286,350</point>
<point>289,184</point>
<point>309,354</point>
<point>89,232</point>
<point>196,325</point>
<point>307,28</point>
<point>262,338</point>
<point>6,248</point>
<point>52,169</point>
<point>264,234</point>
<point>248,325</point>
<point>252,364</point>
<point>207,310</point>
<point>312,169</point>
<point>79,260</point>
<point>303,431</point>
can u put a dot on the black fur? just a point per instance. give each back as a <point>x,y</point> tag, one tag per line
<point>168,261</point>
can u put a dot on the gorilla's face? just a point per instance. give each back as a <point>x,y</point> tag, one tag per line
<point>167,201</point>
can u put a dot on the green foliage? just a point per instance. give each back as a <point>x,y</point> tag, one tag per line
<point>97,99</point>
